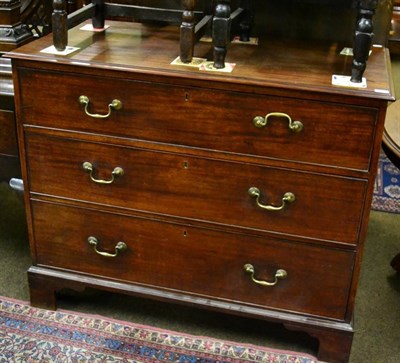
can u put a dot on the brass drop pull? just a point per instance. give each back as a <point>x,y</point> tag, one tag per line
<point>114,105</point>
<point>119,247</point>
<point>288,197</point>
<point>117,172</point>
<point>279,275</point>
<point>295,126</point>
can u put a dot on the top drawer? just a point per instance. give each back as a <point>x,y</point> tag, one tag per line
<point>332,134</point>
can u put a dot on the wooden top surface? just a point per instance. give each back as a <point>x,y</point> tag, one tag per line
<point>133,47</point>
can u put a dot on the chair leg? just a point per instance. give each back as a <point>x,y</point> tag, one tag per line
<point>221,32</point>
<point>59,24</point>
<point>362,38</point>
<point>246,22</point>
<point>187,31</point>
<point>98,19</point>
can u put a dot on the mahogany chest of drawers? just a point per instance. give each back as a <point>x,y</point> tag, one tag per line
<point>245,192</point>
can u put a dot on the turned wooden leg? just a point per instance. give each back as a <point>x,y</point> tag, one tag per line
<point>246,22</point>
<point>42,291</point>
<point>187,31</point>
<point>334,345</point>
<point>59,25</point>
<point>362,38</point>
<point>221,32</point>
<point>98,19</point>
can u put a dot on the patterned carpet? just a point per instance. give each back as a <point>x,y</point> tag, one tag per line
<point>386,196</point>
<point>35,335</point>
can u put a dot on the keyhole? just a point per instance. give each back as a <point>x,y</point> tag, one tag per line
<point>185,233</point>
<point>187,96</point>
<point>185,165</point>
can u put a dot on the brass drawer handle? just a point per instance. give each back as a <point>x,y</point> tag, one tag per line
<point>114,105</point>
<point>119,247</point>
<point>117,172</point>
<point>279,275</point>
<point>295,126</point>
<point>288,197</point>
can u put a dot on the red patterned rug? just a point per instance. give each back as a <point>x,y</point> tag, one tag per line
<point>386,196</point>
<point>30,335</point>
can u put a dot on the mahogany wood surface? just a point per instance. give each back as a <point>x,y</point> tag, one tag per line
<point>194,260</point>
<point>189,151</point>
<point>267,65</point>
<point>196,188</point>
<point>142,101</point>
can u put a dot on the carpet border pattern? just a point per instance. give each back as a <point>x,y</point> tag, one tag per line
<point>386,197</point>
<point>30,335</point>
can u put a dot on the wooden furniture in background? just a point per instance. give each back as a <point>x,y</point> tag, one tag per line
<point>217,190</point>
<point>13,32</point>
<point>193,19</point>
<point>9,160</point>
<point>221,17</point>
<point>394,34</point>
<point>20,22</point>
<point>391,147</point>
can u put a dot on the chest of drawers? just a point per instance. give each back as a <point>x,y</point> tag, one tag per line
<point>246,193</point>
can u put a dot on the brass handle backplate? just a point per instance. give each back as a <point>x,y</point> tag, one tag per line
<point>114,105</point>
<point>295,126</point>
<point>117,172</point>
<point>288,197</point>
<point>119,247</point>
<point>279,275</point>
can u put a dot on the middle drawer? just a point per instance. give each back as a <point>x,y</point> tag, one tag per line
<point>227,193</point>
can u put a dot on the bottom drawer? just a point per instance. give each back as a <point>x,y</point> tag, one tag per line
<point>194,260</point>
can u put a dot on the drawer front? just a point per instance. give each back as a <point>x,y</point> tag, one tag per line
<point>332,134</point>
<point>194,260</point>
<point>325,207</point>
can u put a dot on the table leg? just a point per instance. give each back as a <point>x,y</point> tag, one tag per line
<point>187,31</point>
<point>221,32</point>
<point>362,38</point>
